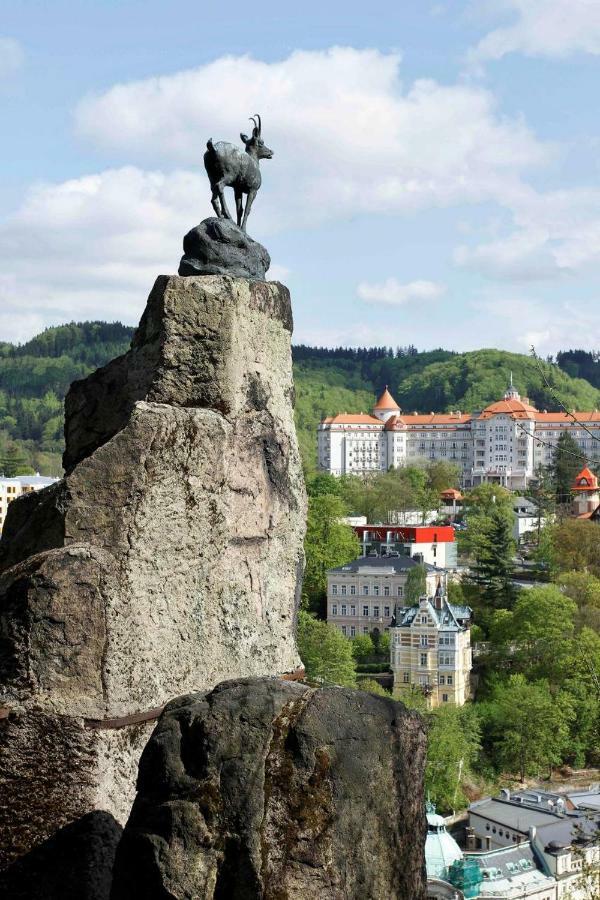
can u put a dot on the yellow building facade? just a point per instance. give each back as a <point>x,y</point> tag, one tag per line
<point>430,650</point>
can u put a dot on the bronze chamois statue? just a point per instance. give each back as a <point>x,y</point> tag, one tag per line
<point>228,166</point>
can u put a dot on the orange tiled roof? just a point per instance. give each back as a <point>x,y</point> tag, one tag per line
<point>429,419</point>
<point>386,401</point>
<point>352,419</point>
<point>585,481</point>
<point>563,417</point>
<point>518,409</point>
<point>451,494</point>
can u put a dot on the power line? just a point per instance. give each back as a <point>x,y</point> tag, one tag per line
<point>583,458</point>
<point>557,398</point>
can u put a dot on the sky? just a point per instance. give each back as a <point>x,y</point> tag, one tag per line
<point>435,178</point>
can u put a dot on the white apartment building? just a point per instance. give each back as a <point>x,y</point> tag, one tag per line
<point>430,648</point>
<point>505,443</point>
<point>361,595</point>
<point>11,488</point>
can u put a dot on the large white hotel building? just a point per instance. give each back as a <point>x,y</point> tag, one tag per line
<point>506,443</point>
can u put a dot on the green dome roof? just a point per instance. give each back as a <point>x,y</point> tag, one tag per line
<point>441,850</point>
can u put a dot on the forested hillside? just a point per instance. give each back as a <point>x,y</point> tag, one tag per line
<point>35,376</point>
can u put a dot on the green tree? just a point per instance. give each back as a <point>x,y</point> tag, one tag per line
<point>452,749</point>
<point>442,475</point>
<point>323,483</point>
<point>542,492</point>
<point>575,546</point>
<point>373,687</point>
<point>531,725</point>
<point>567,461</point>
<point>493,548</point>
<point>542,629</point>
<point>486,499</point>
<point>416,584</point>
<point>328,543</point>
<point>384,645</point>
<point>362,647</point>
<point>13,462</point>
<point>325,652</point>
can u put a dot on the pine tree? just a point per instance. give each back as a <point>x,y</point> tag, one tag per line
<point>13,463</point>
<point>494,547</point>
<point>568,460</point>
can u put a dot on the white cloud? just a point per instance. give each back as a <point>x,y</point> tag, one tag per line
<point>554,234</point>
<point>391,293</point>
<point>12,57</point>
<point>91,247</point>
<point>348,136</point>
<point>547,28</point>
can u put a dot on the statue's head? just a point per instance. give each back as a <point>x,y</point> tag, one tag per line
<point>255,144</point>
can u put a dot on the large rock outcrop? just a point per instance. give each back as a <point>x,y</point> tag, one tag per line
<point>167,560</point>
<point>272,790</point>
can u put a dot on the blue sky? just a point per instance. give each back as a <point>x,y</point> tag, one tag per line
<point>436,177</point>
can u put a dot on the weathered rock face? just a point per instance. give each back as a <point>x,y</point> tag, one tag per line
<point>220,247</point>
<point>268,789</point>
<point>167,560</point>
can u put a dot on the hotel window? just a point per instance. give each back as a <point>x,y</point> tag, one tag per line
<point>386,611</point>
<point>344,590</point>
<point>444,698</point>
<point>400,590</point>
<point>365,610</point>
<point>352,610</point>
<point>423,640</point>
<point>449,680</point>
<point>365,629</point>
<point>423,659</point>
<point>353,589</point>
<point>376,590</point>
<point>386,590</point>
<point>352,631</point>
<point>334,609</point>
<point>442,679</point>
<point>423,620</point>
<point>344,629</point>
<point>376,611</point>
<point>343,609</point>
<point>366,590</point>
<point>406,678</point>
<point>334,589</point>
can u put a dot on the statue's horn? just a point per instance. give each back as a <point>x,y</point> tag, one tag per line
<point>259,123</point>
<point>254,122</point>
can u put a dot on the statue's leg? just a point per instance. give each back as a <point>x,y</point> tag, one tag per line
<point>221,189</point>
<point>216,205</point>
<point>249,202</point>
<point>238,206</point>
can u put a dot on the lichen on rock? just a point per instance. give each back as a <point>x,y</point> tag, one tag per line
<point>169,557</point>
<point>268,790</point>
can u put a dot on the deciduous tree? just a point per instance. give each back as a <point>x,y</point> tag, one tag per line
<point>329,542</point>
<point>325,652</point>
